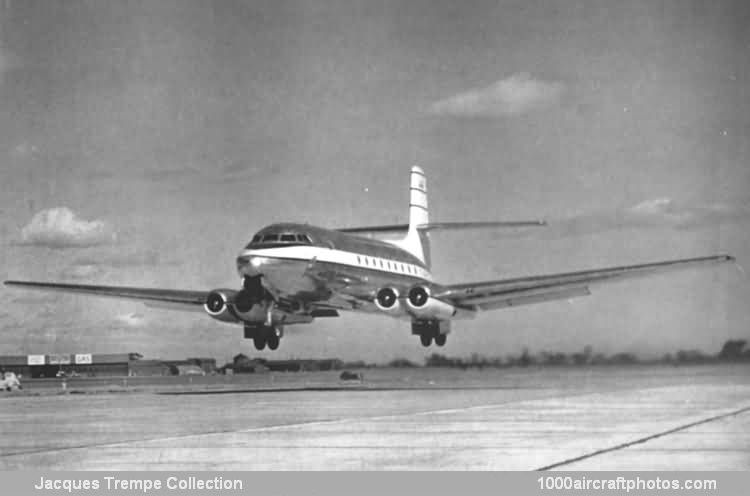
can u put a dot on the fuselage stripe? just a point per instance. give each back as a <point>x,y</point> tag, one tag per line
<point>360,260</point>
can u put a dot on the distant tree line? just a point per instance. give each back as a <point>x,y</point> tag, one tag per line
<point>734,350</point>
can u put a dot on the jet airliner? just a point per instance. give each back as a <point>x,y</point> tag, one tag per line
<point>296,273</point>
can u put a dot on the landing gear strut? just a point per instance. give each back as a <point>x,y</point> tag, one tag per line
<point>251,293</point>
<point>263,336</point>
<point>429,330</point>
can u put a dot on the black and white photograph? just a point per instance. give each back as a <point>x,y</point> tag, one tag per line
<point>374,235</point>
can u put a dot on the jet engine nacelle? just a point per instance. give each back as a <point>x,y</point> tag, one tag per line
<point>423,306</point>
<point>387,300</point>
<point>219,305</point>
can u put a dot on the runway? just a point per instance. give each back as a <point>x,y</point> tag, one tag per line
<point>639,418</point>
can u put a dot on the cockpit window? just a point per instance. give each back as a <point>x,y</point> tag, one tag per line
<point>290,238</point>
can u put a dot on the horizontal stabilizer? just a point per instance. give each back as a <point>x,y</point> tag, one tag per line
<point>442,226</point>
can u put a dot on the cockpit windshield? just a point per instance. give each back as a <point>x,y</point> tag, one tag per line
<point>279,239</point>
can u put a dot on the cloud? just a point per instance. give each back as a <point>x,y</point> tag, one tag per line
<point>25,150</point>
<point>131,319</point>
<point>60,228</point>
<point>665,210</point>
<point>121,260</point>
<point>514,95</point>
<point>83,271</point>
<point>654,213</point>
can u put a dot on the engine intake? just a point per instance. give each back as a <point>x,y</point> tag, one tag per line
<point>387,297</point>
<point>418,296</point>
<point>218,305</point>
<point>423,306</point>
<point>387,300</point>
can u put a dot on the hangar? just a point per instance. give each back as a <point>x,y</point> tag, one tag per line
<point>84,364</point>
<point>100,364</point>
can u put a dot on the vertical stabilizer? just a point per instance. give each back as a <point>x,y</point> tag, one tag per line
<point>417,241</point>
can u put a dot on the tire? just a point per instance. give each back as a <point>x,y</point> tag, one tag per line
<point>273,342</point>
<point>259,342</point>
<point>440,339</point>
<point>426,339</point>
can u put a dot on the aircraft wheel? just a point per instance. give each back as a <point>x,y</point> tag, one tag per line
<point>426,339</point>
<point>259,342</point>
<point>440,339</point>
<point>273,342</point>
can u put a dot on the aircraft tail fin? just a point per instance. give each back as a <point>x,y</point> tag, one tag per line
<point>417,240</point>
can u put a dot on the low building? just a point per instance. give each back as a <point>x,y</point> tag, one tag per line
<point>82,364</point>
<point>208,365</point>
<point>142,368</point>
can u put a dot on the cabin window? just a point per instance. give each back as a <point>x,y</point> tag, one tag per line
<point>381,263</point>
<point>366,262</point>
<point>288,238</point>
<point>270,238</point>
<point>402,268</point>
<point>358,260</point>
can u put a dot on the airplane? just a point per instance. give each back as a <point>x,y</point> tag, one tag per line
<point>296,273</point>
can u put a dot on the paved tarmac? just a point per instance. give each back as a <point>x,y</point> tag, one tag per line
<point>639,418</point>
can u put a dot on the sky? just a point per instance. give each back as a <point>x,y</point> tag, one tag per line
<point>144,142</point>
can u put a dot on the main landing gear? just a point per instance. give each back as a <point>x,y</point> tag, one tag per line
<point>429,331</point>
<point>263,335</point>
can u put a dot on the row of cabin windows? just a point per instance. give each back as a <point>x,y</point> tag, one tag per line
<point>283,238</point>
<point>386,264</point>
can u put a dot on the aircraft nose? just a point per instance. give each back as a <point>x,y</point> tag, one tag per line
<point>249,265</point>
<point>244,265</point>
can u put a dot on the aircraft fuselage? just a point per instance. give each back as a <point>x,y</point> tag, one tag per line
<point>306,263</point>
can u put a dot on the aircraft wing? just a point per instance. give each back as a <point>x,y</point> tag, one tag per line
<point>490,295</point>
<point>149,296</point>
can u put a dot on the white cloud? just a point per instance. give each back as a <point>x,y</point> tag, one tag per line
<point>655,213</point>
<point>665,210</point>
<point>652,206</point>
<point>25,150</point>
<point>81,271</point>
<point>514,95</point>
<point>122,259</point>
<point>60,228</point>
<point>131,319</point>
